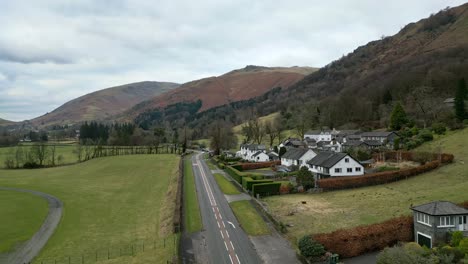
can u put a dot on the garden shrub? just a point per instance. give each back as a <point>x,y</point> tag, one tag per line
<point>309,247</point>
<point>439,128</point>
<point>456,238</point>
<point>463,246</point>
<point>425,135</point>
<point>359,240</point>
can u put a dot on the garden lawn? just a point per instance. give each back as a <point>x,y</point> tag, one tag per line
<point>226,186</point>
<point>248,217</point>
<point>108,202</point>
<point>21,215</point>
<point>192,217</point>
<point>330,211</point>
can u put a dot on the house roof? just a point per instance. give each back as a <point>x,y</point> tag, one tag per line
<point>295,153</point>
<point>374,143</point>
<point>353,143</point>
<point>327,159</point>
<point>377,134</point>
<point>440,208</point>
<point>253,146</point>
<point>272,153</point>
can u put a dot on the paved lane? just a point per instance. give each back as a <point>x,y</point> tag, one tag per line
<point>226,242</point>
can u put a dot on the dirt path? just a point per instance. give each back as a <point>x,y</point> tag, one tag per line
<point>28,250</point>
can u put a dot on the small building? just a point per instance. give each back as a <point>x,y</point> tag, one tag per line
<point>384,137</point>
<point>260,156</point>
<point>334,164</point>
<point>320,135</point>
<point>293,143</point>
<point>247,150</point>
<point>297,157</point>
<point>433,221</point>
<point>273,156</point>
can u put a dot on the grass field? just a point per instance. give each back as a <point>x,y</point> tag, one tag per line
<point>21,215</point>
<point>192,217</point>
<point>248,217</point>
<point>330,211</point>
<point>66,151</point>
<point>225,186</point>
<point>107,202</point>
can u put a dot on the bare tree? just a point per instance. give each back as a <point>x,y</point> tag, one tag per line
<point>221,136</point>
<point>271,132</point>
<point>40,152</point>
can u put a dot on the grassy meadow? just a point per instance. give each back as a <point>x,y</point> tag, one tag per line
<point>225,186</point>
<point>108,202</point>
<point>21,215</point>
<point>329,211</point>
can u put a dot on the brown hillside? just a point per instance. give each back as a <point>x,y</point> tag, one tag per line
<point>102,104</point>
<point>5,122</point>
<point>236,85</point>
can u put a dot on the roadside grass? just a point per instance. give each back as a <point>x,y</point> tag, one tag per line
<point>107,202</point>
<point>21,215</point>
<point>330,211</point>
<point>225,186</point>
<point>66,151</point>
<point>192,216</point>
<point>248,217</point>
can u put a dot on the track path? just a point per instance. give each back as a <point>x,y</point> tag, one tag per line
<point>28,250</point>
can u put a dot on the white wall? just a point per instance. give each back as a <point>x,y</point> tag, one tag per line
<point>310,154</point>
<point>288,162</point>
<point>262,157</point>
<point>344,166</point>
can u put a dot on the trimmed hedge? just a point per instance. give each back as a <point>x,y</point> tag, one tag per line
<point>265,189</point>
<point>259,165</point>
<point>248,182</point>
<point>338,183</point>
<point>362,239</point>
<point>238,175</point>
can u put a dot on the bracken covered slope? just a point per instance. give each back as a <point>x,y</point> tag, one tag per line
<point>101,105</point>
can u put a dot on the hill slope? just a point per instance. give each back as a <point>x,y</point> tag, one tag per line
<point>233,86</point>
<point>5,122</point>
<point>103,104</point>
<point>420,66</point>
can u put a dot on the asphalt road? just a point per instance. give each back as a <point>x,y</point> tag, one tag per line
<point>28,250</point>
<point>224,241</point>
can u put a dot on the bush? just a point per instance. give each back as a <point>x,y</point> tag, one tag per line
<point>463,246</point>
<point>456,238</point>
<point>359,240</point>
<point>259,165</point>
<point>425,135</point>
<point>402,255</point>
<point>265,189</point>
<point>448,251</point>
<point>310,248</point>
<point>387,168</point>
<point>31,165</point>
<point>439,128</point>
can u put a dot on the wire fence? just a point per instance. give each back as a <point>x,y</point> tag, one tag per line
<point>167,247</point>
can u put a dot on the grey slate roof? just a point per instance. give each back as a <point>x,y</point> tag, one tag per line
<point>253,146</point>
<point>257,153</point>
<point>327,159</point>
<point>374,143</point>
<point>440,208</point>
<point>353,143</point>
<point>377,134</point>
<point>294,153</point>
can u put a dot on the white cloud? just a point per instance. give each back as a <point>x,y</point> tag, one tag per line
<point>57,50</point>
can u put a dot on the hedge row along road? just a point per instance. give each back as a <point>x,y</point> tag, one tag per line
<point>27,251</point>
<point>226,242</point>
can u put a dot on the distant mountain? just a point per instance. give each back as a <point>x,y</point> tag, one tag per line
<point>233,86</point>
<point>101,105</point>
<point>5,122</point>
<point>420,66</point>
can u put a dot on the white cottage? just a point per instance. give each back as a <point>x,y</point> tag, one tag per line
<point>297,157</point>
<point>260,156</point>
<point>331,164</point>
<point>248,150</point>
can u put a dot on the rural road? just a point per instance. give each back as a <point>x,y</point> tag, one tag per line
<point>28,250</point>
<point>222,240</point>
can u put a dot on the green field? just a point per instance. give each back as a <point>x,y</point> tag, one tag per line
<point>248,217</point>
<point>21,215</point>
<point>330,211</point>
<point>66,151</point>
<point>192,217</point>
<point>108,202</point>
<point>225,186</point>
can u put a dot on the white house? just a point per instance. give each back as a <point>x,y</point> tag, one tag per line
<point>319,135</point>
<point>260,156</point>
<point>248,150</point>
<point>332,164</point>
<point>297,156</point>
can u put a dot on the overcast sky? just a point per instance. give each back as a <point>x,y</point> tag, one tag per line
<point>52,51</point>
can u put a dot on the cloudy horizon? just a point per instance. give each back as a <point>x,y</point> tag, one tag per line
<point>55,50</point>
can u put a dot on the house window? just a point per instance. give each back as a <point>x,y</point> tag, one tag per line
<point>445,221</point>
<point>337,170</point>
<point>358,168</point>
<point>423,218</point>
<point>346,160</point>
<point>349,169</point>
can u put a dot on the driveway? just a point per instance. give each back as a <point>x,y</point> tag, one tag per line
<point>28,250</point>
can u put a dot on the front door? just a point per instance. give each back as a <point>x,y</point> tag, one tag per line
<point>462,226</point>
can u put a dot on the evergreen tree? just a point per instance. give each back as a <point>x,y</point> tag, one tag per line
<point>398,118</point>
<point>459,103</point>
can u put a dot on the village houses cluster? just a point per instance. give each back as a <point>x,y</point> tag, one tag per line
<point>323,152</point>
